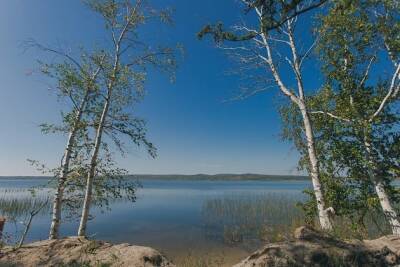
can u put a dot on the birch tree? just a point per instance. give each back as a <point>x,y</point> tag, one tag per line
<point>265,43</point>
<point>75,80</point>
<point>122,81</point>
<point>358,39</point>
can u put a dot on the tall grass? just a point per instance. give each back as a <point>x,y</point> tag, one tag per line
<point>273,217</point>
<point>239,219</point>
<point>16,203</point>
<point>14,207</point>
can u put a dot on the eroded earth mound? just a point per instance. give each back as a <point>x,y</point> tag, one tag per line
<point>74,251</point>
<point>313,248</point>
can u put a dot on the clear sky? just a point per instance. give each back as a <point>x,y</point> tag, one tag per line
<point>194,130</point>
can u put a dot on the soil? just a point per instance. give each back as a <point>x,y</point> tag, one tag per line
<point>74,251</point>
<point>314,248</point>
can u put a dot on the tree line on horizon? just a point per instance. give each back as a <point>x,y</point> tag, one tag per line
<point>346,129</point>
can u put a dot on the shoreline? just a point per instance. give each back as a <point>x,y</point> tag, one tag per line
<point>194,177</point>
<point>307,247</point>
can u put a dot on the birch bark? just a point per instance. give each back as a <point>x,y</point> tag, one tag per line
<point>323,214</point>
<point>299,100</point>
<point>93,163</point>
<point>57,202</point>
<point>98,139</point>
<point>383,197</point>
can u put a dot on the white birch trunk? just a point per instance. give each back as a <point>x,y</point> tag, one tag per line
<point>323,214</point>
<point>99,133</point>
<point>387,208</point>
<point>58,198</point>
<point>57,202</point>
<point>384,201</point>
<point>93,164</point>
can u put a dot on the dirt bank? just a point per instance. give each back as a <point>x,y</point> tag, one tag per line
<point>75,251</point>
<point>313,248</point>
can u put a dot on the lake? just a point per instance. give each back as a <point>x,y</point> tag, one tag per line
<point>181,218</point>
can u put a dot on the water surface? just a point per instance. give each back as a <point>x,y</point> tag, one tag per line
<point>173,216</point>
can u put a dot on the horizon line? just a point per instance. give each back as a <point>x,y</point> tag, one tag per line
<point>172,174</point>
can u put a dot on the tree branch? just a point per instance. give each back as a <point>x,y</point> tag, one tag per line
<point>393,90</point>
<point>269,60</point>
<point>364,78</point>
<point>33,43</point>
<point>331,115</point>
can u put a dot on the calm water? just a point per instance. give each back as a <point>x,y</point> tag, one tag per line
<point>168,215</point>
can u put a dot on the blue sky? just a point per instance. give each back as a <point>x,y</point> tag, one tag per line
<point>194,130</point>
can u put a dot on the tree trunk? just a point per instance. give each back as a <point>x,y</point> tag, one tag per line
<point>25,233</point>
<point>98,138</point>
<point>57,202</point>
<point>387,207</point>
<point>58,198</point>
<point>314,170</point>
<point>92,171</point>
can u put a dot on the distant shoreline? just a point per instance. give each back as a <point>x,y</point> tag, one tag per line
<point>221,177</point>
<point>194,177</point>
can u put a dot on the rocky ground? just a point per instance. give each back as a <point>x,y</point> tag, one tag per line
<point>76,252</point>
<point>312,248</point>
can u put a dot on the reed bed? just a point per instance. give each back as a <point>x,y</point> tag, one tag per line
<point>16,203</point>
<point>17,207</point>
<point>273,217</point>
<point>10,190</point>
<point>239,219</point>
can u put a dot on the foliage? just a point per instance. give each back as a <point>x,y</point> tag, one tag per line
<point>275,14</point>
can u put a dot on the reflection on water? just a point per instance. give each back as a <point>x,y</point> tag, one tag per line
<point>179,217</point>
